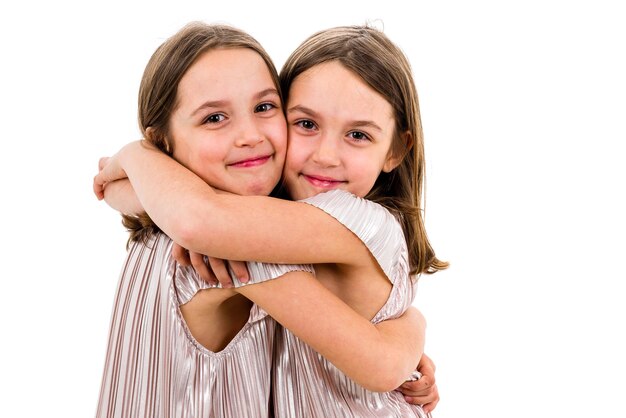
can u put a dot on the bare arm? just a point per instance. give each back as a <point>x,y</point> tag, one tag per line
<point>120,196</point>
<point>240,227</point>
<point>379,357</point>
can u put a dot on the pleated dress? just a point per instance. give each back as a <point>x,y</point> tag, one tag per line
<point>155,368</point>
<point>305,384</point>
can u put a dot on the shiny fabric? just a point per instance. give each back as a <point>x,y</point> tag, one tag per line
<point>155,368</point>
<point>304,383</point>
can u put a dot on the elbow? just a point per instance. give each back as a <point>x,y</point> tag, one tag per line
<point>394,363</point>
<point>184,229</point>
<point>191,226</point>
<point>383,382</point>
<point>388,375</point>
<point>382,386</point>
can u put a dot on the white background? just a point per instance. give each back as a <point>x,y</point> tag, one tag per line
<point>524,112</point>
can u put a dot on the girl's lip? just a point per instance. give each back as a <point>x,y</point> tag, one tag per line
<point>251,162</point>
<point>322,182</point>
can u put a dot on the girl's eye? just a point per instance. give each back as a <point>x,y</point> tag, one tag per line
<point>358,136</point>
<point>306,124</point>
<point>264,107</point>
<point>214,118</point>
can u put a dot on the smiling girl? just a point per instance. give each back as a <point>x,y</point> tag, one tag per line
<point>355,133</point>
<point>210,99</point>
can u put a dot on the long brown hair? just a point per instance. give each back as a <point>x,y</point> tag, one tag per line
<point>159,87</point>
<point>383,66</point>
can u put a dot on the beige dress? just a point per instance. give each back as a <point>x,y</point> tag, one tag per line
<point>155,368</point>
<point>304,383</point>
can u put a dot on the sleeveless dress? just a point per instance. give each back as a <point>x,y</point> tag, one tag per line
<point>304,383</point>
<point>155,368</point>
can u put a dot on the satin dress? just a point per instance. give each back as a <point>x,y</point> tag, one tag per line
<point>155,368</point>
<point>304,383</point>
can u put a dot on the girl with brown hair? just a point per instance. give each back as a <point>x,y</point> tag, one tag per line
<point>217,111</point>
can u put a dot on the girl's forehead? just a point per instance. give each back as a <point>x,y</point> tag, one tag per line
<point>331,85</point>
<point>235,85</point>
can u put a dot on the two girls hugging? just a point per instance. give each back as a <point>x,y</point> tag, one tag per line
<point>310,183</point>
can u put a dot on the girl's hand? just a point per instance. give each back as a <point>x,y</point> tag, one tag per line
<point>220,270</point>
<point>98,187</point>
<point>110,168</point>
<point>109,171</point>
<point>212,270</point>
<point>424,390</point>
<point>181,255</point>
<point>102,162</point>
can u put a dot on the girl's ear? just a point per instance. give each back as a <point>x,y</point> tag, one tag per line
<point>150,132</point>
<point>159,140</point>
<point>399,149</point>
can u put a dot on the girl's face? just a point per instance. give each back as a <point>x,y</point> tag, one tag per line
<point>340,133</point>
<point>228,126</point>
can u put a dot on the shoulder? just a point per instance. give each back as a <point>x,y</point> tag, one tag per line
<point>371,222</point>
<point>352,210</point>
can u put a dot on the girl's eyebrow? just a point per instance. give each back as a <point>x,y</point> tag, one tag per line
<point>266,92</point>
<point>355,123</point>
<point>303,109</point>
<point>366,124</point>
<point>221,103</point>
<point>209,104</point>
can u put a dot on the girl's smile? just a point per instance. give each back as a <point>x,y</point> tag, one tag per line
<point>251,162</point>
<point>322,182</point>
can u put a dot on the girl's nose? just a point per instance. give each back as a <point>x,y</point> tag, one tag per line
<point>327,152</point>
<point>249,140</point>
<point>249,134</point>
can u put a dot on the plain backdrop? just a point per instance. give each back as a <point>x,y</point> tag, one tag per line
<point>524,113</point>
